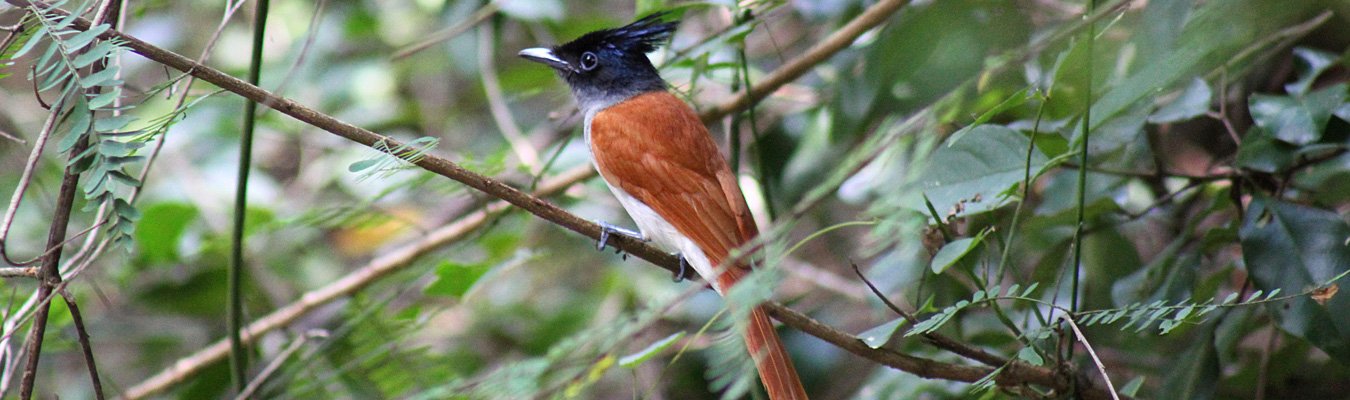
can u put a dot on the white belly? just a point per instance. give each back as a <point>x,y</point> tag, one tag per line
<point>654,227</point>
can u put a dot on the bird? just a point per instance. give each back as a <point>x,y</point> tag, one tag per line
<point>660,161</point>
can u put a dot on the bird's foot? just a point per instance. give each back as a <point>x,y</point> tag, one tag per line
<point>606,229</point>
<point>684,269</point>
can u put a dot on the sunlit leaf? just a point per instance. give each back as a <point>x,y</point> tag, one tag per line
<point>1030,356</point>
<point>32,42</point>
<point>162,229</point>
<point>98,78</point>
<point>1311,64</point>
<point>1297,120</point>
<point>1193,102</point>
<point>953,252</point>
<point>652,350</point>
<point>971,174</point>
<point>454,280</point>
<point>879,335</point>
<point>77,42</point>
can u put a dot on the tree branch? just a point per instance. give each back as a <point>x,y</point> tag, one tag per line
<point>870,18</point>
<point>378,268</point>
<point>49,274</point>
<point>85,346</point>
<point>1016,373</point>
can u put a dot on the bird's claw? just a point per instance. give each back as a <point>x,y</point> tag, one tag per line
<point>606,229</point>
<point>684,269</point>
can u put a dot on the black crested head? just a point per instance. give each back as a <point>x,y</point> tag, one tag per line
<point>638,38</point>
<point>610,65</point>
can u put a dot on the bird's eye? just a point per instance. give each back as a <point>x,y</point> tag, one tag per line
<point>589,61</point>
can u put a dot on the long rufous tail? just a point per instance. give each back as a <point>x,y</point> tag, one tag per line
<point>771,358</point>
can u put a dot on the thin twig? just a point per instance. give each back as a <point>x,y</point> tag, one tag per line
<point>49,275</point>
<point>13,138</point>
<point>276,363</point>
<point>1014,375</point>
<point>84,343</point>
<point>19,272</point>
<point>501,113</point>
<point>75,265</point>
<point>935,339</point>
<point>487,10</point>
<point>378,268</point>
<point>310,36</point>
<point>440,165</point>
<point>840,39</point>
<point>50,272</point>
<point>1223,108</point>
<point>1110,388</point>
<point>25,179</point>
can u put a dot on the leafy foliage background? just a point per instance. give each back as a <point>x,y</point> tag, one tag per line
<point>1215,207</point>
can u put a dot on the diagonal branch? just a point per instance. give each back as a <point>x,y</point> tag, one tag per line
<point>873,16</point>
<point>376,269</point>
<point>870,18</point>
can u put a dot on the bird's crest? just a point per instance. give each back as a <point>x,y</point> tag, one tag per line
<point>640,37</point>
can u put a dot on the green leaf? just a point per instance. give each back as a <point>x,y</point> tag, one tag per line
<point>1193,102</point>
<point>113,148</point>
<point>1030,355</point>
<point>33,40</point>
<point>125,211</point>
<point>161,230</point>
<point>118,162</point>
<point>975,172</point>
<point>56,78</point>
<point>1260,151</point>
<point>109,124</point>
<point>76,127</point>
<point>1031,289</point>
<point>1297,120</point>
<point>1292,247</point>
<point>123,178</point>
<point>98,52</point>
<point>105,98</point>
<point>879,335</point>
<point>1314,62</point>
<point>1176,319</point>
<point>1217,32</point>
<point>652,350</point>
<point>69,18</point>
<point>363,165</point>
<point>95,186</point>
<point>98,78</point>
<point>75,43</point>
<point>454,280</point>
<point>1131,388</point>
<point>953,252</point>
<point>1018,98</point>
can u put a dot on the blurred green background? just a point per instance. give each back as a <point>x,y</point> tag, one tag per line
<point>1218,166</point>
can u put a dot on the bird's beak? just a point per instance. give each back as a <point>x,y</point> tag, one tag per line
<point>546,56</point>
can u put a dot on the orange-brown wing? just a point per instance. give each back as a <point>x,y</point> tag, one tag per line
<point>655,148</point>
